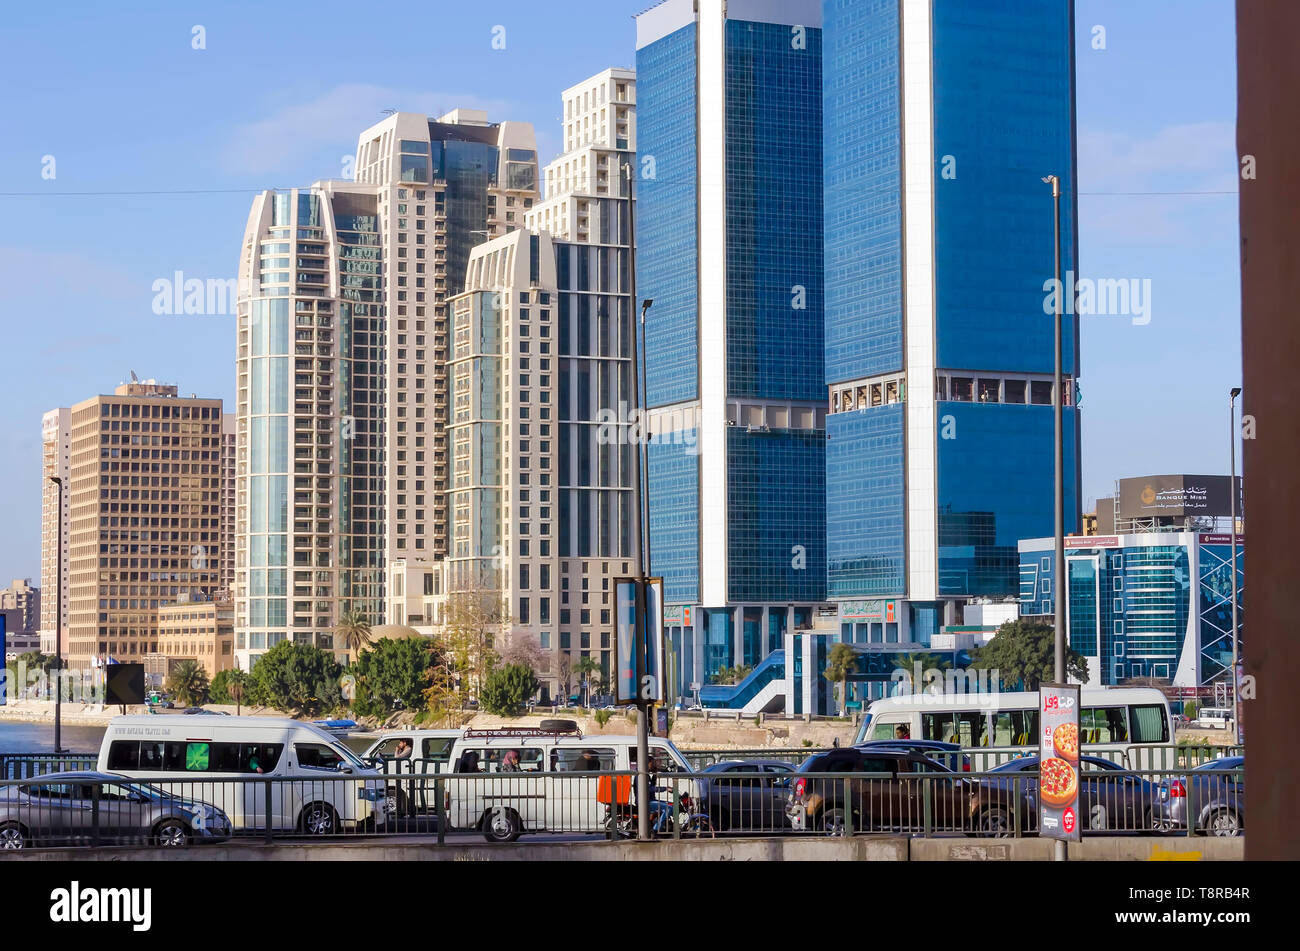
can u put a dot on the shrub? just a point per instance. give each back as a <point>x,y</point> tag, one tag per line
<point>601,717</point>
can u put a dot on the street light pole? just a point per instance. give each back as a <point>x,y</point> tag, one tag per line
<point>1058,416</point>
<point>642,529</point>
<point>1232,528</point>
<point>58,622</point>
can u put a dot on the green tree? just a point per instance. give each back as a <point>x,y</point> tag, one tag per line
<point>586,670</point>
<point>229,686</point>
<point>839,661</point>
<point>393,674</point>
<point>508,689</point>
<point>353,631</point>
<point>188,683</point>
<point>1023,653</point>
<point>298,678</point>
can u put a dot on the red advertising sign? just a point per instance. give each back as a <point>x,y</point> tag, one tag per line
<point>1058,761</point>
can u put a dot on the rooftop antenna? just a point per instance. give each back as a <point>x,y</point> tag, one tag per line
<point>390,112</point>
<point>134,378</point>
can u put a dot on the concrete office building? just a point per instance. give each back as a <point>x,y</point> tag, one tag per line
<point>56,436</point>
<point>362,272</point>
<point>144,502</point>
<point>940,117</point>
<point>22,598</point>
<point>201,631</point>
<point>729,228</point>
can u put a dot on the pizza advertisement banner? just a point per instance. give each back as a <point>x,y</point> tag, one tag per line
<point>1058,761</point>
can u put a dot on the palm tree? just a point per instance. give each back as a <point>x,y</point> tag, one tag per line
<point>353,630</point>
<point>584,668</point>
<point>188,683</point>
<point>841,659</point>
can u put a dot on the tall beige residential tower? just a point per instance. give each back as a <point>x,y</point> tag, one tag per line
<point>341,458</point>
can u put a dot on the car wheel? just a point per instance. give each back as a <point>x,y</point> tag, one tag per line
<point>394,803</point>
<point>995,823</point>
<point>1224,822</point>
<point>171,834</point>
<point>319,818</point>
<point>13,837</point>
<point>501,825</point>
<point>831,822</point>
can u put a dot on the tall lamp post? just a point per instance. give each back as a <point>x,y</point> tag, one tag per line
<point>58,622</point>
<point>1232,528</point>
<point>642,529</point>
<point>1058,415</point>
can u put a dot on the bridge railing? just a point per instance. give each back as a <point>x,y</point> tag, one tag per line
<point>170,811</point>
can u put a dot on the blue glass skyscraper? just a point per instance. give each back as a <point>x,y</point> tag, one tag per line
<point>940,119</point>
<point>729,229</point>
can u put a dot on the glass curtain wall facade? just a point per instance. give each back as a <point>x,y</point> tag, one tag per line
<point>729,231</point>
<point>940,117</point>
<point>1142,605</point>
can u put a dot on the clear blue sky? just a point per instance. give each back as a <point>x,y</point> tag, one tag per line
<point>123,103</point>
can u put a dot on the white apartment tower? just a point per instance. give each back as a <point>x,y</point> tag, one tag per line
<point>56,450</point>
<point>343,344</point>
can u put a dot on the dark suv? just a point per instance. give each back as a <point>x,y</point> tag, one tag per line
<point>893,798</point>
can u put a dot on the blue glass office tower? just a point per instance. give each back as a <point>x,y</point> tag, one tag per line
<point>940,119</point>
<point>729,229</point>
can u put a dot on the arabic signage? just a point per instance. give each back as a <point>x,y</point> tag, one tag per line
<point>873,610</point>
<point>1058,761</point>
<point>1176,495</point>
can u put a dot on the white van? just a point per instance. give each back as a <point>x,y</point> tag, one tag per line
<point>482,794</point>
<point>1213,718</point>
<point>410,753</point>
<point>191,756</point>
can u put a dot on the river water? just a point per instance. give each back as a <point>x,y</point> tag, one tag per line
<point>19,737</point>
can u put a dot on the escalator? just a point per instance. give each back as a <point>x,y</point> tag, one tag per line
<point>763,691</point>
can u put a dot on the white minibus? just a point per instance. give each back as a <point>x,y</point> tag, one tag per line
<point>1130,725</point>
<point>199,758</point>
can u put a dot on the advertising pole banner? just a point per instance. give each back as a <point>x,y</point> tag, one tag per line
<point>627,659</point>
<point>1058,761</point>
<point>639,641</point>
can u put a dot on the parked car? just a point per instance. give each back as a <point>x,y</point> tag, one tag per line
<point>1110,799</point>
<point>746,795</point>
<point>894,799</point>
<point>59,808</point>
<point>949,754</point>
<point>1219,797</point>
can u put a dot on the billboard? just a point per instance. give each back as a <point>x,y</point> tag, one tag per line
<point>1058,761</point>
<point>1176,496</point>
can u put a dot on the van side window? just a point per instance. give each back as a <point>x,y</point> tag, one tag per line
<point>317,756</point>
<point>1150,725</point>
<point>124,755</point>
<point>437,748</point>
<point>888,730</point>
<point>1015,727</point>
<point>582,760</point>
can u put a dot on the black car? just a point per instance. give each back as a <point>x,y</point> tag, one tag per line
<point>746,795</point>
<point>1218,790</point>
<point>1110,798</point>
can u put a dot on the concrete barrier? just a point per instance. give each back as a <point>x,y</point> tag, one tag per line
<point>786,849</point>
